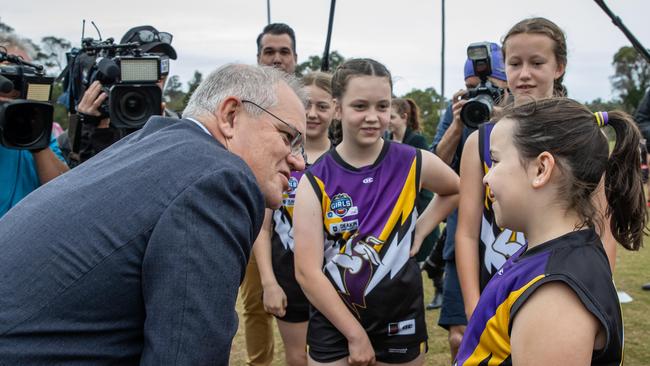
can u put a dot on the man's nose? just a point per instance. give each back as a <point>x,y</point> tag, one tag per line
<point>296,162</point>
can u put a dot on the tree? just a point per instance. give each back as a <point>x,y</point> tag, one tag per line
<point>6,28</point>
<point>54,53</point>
<point>174,95</point>
<point>191,86</point>
<point>631,77</point>
<point>314,62</point>
<point>429,102</point>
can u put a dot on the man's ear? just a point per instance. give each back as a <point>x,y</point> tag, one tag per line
<point>226,116</point>
<point>542,167</point>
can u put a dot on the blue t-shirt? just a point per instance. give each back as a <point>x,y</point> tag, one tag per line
<point>18,176</point>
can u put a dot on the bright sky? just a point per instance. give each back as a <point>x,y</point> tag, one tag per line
<point>404,35</point>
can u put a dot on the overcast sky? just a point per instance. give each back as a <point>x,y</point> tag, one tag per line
<point>404,35</point>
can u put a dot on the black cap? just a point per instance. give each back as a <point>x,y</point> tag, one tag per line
<point>155,46</point>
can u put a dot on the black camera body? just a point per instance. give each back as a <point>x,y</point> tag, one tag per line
<point>26,121</point>
<point>481,99</point>
<point>128,76</point>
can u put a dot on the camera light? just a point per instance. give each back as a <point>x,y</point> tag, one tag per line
<point>39,92</point>
<point>140,69</point>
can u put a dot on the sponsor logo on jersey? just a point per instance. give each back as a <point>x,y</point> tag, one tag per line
<point>340,204</point>
<point>344,226</point>
<point>398,350</point>
<point>368,180</point>
<point>405,327</point>
<point>293,184</point>
<point>288,202</point>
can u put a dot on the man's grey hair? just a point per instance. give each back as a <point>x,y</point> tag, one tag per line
<point>9,40</point>
<point>255,83</point>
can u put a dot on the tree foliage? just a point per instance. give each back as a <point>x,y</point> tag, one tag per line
<point>174,95</point>
<point>191,86</point>
<point>429,102</point>
<point>631,77</point>
<point>314,63</point>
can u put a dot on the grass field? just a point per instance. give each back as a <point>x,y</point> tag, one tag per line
<point>632,270</point>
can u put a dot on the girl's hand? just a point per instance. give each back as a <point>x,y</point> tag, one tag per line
<point>418,239</point>
<point>275,300</point>
<point>361,351</point>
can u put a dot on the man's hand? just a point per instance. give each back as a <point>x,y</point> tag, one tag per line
<point>91,100</point>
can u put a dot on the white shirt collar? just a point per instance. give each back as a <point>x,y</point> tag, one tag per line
<point>200,125</point>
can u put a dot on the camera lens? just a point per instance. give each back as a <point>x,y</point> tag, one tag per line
<point>27,124</point>
<point>133,106</point>
<point>476,111</point>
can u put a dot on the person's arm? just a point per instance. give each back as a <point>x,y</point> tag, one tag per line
<point>468,229</point>
<point>192,267</point>
<point>274,298</point>
<point>553,327</point>
<point>446,147</point>
<point>439,178</point>
<point>443,125</point>
<point>308,255</point>
<point>49,162</point>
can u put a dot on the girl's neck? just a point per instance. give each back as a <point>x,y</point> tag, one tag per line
<point>360,156</point>
<point>316,147</point>
<point>549,224</point>
<point>398,134</point>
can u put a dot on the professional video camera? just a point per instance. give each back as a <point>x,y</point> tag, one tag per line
<point>478,108</point>
<point>25,121</point>
<point>127,75</point>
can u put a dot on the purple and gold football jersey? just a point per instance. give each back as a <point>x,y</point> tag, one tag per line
<point>579,261</point>
<point>369,218</point>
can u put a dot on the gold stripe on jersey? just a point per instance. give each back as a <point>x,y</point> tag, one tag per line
<point>325,206</point>
<point>403,207</point>
<point>287,209</point>
<point>495,340</point>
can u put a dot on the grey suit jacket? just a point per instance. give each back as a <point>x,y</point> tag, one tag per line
<point>133,257</point>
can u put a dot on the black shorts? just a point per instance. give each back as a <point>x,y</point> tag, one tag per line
<point>392,316</point>
<point>297,304</point>
<point>297,310</point>
<point>397,354</point>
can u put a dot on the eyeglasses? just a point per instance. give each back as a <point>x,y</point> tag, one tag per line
<point>293,139</point>
<point>147,36</point>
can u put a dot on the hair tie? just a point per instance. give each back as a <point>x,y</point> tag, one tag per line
<point>601,118</point>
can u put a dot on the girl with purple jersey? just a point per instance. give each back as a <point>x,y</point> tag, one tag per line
<point>355,230</point>
<point>554,302</point>
<point>273,248</point>
<point>535,57</point>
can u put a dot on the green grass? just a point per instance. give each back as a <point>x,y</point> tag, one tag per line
<point>632,271</point>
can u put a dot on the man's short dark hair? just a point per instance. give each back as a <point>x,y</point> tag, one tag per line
<point>277,29</point>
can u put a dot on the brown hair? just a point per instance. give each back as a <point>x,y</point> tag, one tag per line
<point>408,106</point>
<point>545,27</point>
<point>569,131</point>
<point>321,80</point>
<point>357,67</point>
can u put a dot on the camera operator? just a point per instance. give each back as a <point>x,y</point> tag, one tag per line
<point>98,133</point>
<point>448,145</point>
<point>22,171</point>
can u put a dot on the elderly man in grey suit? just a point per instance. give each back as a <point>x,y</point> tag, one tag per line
<point>135,257</point>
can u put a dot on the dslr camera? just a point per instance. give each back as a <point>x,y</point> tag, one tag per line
<point>128,75</point>
<point>481,99</point>
<point>26,121</point>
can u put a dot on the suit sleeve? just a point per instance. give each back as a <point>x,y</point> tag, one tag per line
<point>193,266</point>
